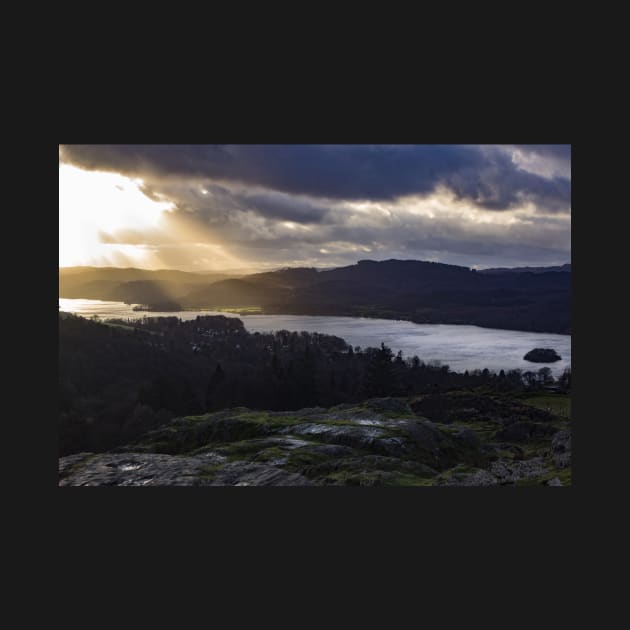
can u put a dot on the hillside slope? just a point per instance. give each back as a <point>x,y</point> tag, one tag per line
<point>103,283</point>
<point>434,293</point>
<point>456,438</point>
<point>418,291</point>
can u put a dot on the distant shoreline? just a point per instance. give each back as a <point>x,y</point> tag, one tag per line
<point>248,312</point>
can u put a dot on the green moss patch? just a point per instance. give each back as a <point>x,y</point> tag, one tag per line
<point>558,404</point>
<point>359,478</point>
<point>270,454</point>
<point>77,466</point>
<point>208,473</point>
<point>406,480</point>
<point>302,459</point>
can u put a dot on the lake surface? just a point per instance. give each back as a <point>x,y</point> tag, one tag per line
<point>460,347</point>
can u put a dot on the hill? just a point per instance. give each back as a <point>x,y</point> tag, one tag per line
<point>426,292</point>
<point>102,283</point>
<point>418,291</point>
<point>558,268</point>
<point>233,293</point>
<point>453,439</point>
<point>290,278</point>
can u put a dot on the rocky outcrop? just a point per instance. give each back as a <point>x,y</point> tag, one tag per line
<point>252,474</point>
<point>475,478</point>
<point>458,438</point>
<point>554,482</point>
<point>561,449</point>
<point>512,471</point>
<point>138,469</point>
<point>501,472</point>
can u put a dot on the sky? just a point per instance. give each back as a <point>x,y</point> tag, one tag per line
<point>257,207</point>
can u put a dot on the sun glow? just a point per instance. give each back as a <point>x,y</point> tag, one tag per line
<point>92,203</point>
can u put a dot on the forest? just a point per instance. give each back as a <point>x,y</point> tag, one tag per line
<point>122,378</point>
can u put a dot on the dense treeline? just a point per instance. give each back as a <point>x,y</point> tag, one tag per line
<point>121,379</point>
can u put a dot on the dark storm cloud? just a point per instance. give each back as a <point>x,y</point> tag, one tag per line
<point>285,207</point>
<point>211,202</point>
<point>550,161</point>
<point>476,249</point>
<point>557,151</point>
<point>486,176</point>
<point>326,205</point>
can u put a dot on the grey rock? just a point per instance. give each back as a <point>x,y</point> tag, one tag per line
<point>290,442</point>
<point>369,422</point>
<point>509,471</point>
<point>395,446</point>
<point>476,478</point>
<point>254,474</point>
<point>354,436</point>
<point>554,482</point>
<point>72,462</point>
<point>562,460</point>
<point>353,444</point>
<point>561,441</point>
<point>561,449</point>
<point>140,469</point>
<point>500,472</point>
<point>286,442</point>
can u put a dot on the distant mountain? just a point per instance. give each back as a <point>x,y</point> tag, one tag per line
<point>418,291</point>
<point>105,283</point>
<point>232,293</point>
<point>288,278</point>
<point>427,292</point>
<point>561,268</point>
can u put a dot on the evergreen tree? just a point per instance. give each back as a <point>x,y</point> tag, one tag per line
<point>379,375</point>
<point>545,377</point>
<point>216,379</point>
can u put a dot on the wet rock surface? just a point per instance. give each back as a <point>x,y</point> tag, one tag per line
<point>139,469</point>
<point>561,449</point>
<point>452,439</point>
<point>252,474</point>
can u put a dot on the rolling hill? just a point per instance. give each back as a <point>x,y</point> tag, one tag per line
<point>419,291</point>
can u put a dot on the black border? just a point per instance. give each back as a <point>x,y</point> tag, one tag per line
<point>352,527</point>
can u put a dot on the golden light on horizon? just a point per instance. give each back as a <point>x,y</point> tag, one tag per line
<point>92,202</point>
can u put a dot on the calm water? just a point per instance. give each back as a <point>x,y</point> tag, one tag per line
<point>460,347</point>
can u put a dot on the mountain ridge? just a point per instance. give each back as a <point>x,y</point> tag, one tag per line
<point>555,268</point>
<point>419,291</point>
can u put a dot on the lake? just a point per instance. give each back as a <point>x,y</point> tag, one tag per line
<point>460,347</point>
